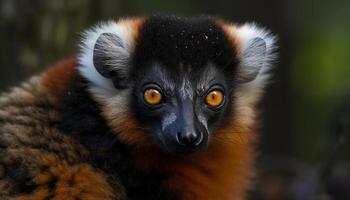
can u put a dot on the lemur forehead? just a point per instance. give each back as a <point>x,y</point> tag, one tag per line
<point>183,42</point>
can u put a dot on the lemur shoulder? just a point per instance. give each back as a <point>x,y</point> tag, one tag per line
<point>158,107</point>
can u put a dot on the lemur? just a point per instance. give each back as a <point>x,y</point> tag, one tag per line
<point>158,107</point>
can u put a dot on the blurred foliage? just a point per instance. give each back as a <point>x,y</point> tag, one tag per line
<point>320,73</point>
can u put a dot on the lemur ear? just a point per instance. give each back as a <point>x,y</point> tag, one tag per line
<point>110,58</point>
<point>253,55</point>
<point>256,52</point>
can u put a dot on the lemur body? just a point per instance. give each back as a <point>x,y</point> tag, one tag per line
<point>152,108</point>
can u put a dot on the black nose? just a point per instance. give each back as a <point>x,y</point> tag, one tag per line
<point>189,139</point>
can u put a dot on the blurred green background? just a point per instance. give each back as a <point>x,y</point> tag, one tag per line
<point>311,79</point>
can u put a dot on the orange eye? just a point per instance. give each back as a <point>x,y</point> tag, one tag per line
<point>152,96</point>
<point>214,98</point>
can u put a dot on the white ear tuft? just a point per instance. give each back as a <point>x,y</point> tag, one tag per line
<point>256,52</point>
<point>101,84</point>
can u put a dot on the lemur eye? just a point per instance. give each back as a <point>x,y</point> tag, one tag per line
<point>152,96</point>
<point>214,98</point>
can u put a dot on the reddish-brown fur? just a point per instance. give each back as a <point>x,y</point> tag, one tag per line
<point>27,115</point>
<point>58,78</point>
<point>224,171</point>
<point>78,181</point>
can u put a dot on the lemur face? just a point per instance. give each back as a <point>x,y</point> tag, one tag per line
<point>181,90</point>
<point>173,81</point>
<point>181,107</point>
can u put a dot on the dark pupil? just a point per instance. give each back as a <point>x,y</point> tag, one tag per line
<point>213,96</point>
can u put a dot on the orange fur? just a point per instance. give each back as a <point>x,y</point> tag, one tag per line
<point>133,26</point>
<point>125,125</point>
<point>224,171</point>
<point>79,181</point>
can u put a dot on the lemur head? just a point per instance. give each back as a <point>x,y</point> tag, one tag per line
<point>176,82</point>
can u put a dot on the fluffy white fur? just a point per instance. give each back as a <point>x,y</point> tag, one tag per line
<point>250,92</point>
<point>245,34</point>
<point>100,86</point>
<point>247,94</point>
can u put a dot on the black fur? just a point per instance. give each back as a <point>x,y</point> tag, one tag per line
<point>20,176</point>
<point>82,119</point>
<point>173,40</point>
